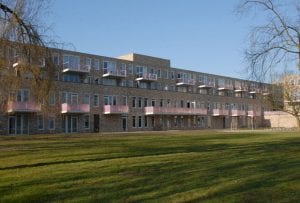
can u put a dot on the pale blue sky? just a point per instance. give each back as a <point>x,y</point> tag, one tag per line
<point>201,35</point>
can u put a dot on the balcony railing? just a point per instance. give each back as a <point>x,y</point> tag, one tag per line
<point>252,113</point>
<point>220,112</point>
<point>75,108</point>
<point>77,69</point>
<point>146,77</point>
<point>207,85</point>
<point>240,89</point>
<point>115,74</point>
<point>235,112</point>
<point>225,87</point>
<point>150,110</point>
<point>29,107</point>
<point>185,81</point>
<point>254,91</point>
<point>115,109</point>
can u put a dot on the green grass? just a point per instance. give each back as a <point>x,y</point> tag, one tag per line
<point>189,166</point>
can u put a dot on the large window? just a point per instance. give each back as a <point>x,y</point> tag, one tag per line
<point>110,100</point>
<point>72,62</point>
<point>109,66</point>
<point>69,97</point>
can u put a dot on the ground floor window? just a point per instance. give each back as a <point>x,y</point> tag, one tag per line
<point>40,122</point>
<point>140,121</point>
<point>51,123</point>
<point>86,121</point>
<point>133,122</point>
<point>145,121</point>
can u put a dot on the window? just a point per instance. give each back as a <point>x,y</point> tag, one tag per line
<point>71,78</point>
<point>153,101</point>
<point>52,99</point>
<point>145,121</point>
<point>40,122</point>
<point>72,62</point>
<point>140,102</point>
<point>130,69</point>
<point>140,121</point>
<point>86,121</point>
<point>181,103</point>
<point>109,82</point>
<point>133,122</point>
<point>96,100</point>
<point>161,104</point>
<point>172,75</point>
<point>159,73</point>
<point>109,66</point>
<point>133,101</point>
<point>110,100</point>
<point>124,100</point>
<point>86,99</point>
<point>97,64</point>
<point>51,123</point>
<point>145,102</point>
<point>55,58</point>
<point>166,74</point>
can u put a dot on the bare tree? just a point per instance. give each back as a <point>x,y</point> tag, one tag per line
<point>277,41</point>
<point>25,59</point>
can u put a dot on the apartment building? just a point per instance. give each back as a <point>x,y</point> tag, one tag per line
<point>133,92</point>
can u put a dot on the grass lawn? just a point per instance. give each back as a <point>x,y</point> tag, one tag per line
<point>194,166</point>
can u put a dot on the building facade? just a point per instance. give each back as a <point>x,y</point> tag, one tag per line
<point>133,93</point>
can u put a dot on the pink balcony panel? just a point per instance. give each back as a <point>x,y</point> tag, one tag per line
<point>185,81</point>
<point>150,110</point>
<point>115,74</point>
<point>235,112</point>
<point>220,112</point>
<point>118,109</point>
<point>75,108</point>
<point>147,77</point>
<point>252,113</point>
<point>29,107</point>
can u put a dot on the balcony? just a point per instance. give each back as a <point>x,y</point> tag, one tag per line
<point>114,74</point>
<point>255,91</point>
<point>75,108</point>
<point>220,112</point>
<point>240,89</point>
<point>149,77</point>
<point>207,85</point>
<point>150,110</point>
<point>23,107</point>
<point>252,113</point>
<point>77,69</point>
<point>225,87</point>
<point>185,82</point>
<point>235,112</point>
<point>115,109</point>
